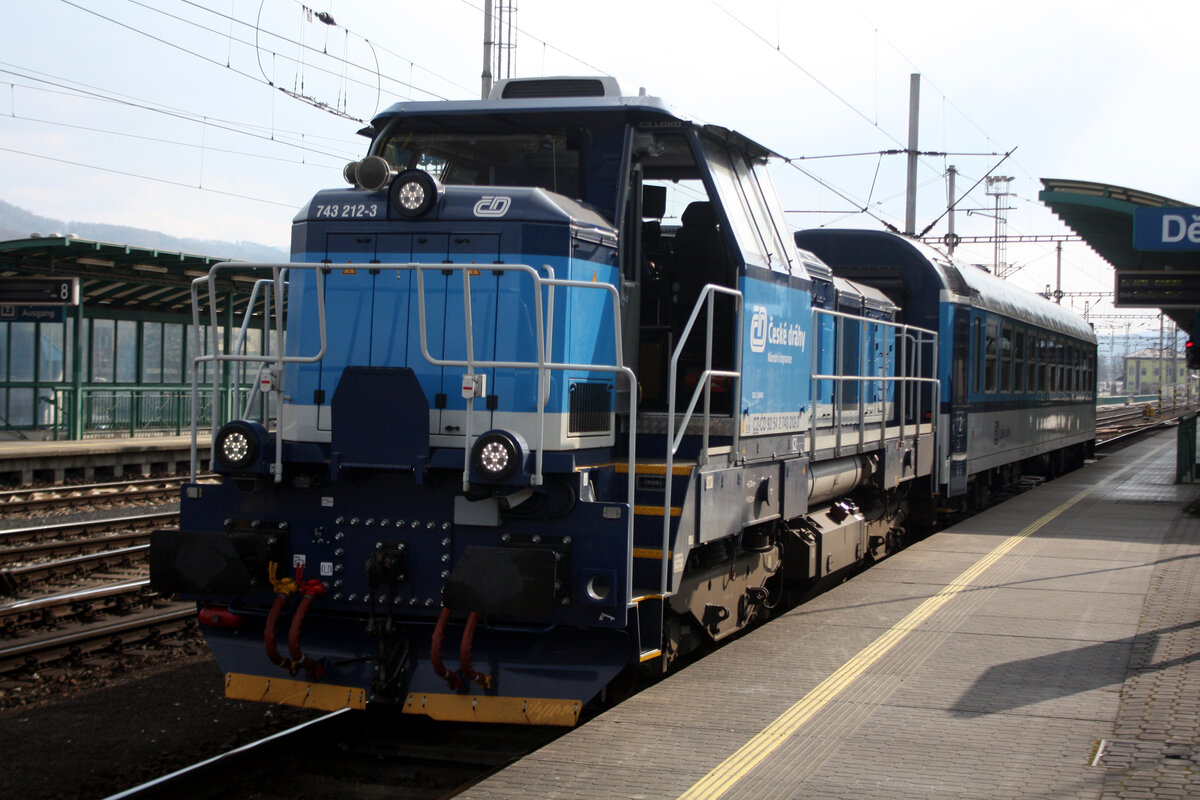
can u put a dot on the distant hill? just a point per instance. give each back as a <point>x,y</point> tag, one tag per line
<point>17,223</point>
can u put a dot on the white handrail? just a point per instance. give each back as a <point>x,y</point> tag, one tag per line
<point>919,337</point>
<point>216,356</point>
<point>544,363</point>
<point>704,383</point>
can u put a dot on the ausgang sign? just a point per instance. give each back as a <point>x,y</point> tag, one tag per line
<point>1166,228</point>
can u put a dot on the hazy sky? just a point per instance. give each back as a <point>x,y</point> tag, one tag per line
<point>169,114</point>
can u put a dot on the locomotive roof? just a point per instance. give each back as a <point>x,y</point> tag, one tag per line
<point>525,105</point>
<point>614,103</point>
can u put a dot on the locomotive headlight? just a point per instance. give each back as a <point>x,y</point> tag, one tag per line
<point>414,193</point>
<point>495,458</point>
<point>237,445</point>
<point>373,173</point>
<point>497,455</point>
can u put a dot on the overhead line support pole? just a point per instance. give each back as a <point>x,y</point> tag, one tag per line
<point>914,111</point>
<point>487,49</point>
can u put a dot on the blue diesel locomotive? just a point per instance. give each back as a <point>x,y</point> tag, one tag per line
<point>548,397</point>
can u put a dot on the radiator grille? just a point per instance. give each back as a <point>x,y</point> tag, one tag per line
<point>590,409</point>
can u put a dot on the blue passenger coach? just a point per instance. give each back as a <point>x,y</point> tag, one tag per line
<point>552,401</point>
<point>1018,373</point>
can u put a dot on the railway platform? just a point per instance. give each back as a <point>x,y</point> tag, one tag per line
<point>23,462</point>
<point>1048,648</point>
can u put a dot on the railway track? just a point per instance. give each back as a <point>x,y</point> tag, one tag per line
<point>64,498</point>
<point>376,753</point>
<point>79,640</point>
<point>27,548</point>
<point>1116,426</point>
<point>71,589</point>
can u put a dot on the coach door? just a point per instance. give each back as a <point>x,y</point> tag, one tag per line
<point>966,339</point>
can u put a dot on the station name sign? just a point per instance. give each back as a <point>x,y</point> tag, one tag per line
<point>1166,228</point>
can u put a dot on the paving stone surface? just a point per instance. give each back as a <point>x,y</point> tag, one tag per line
<point>1068,668</point>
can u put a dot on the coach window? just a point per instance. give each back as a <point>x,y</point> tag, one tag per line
<point>1057,362</point>
<point>1031,362</point>
<point>990,354</point>
<point>1019,360</point>
<point>1006,354</point>
<point>1051,367</point>
<point>1048,365</point>
<point>976,353</point>
<point>1047,368</point>
<point>1039,367</point>
<point>1066,385</point>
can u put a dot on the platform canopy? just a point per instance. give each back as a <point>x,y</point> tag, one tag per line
<point>1104,216</point>
<point>117,276</point>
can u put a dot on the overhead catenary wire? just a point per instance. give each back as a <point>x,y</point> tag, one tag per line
<point>873,123</point>
<point>178,143</point>
<point>99,94</point>
<point>216,62</point>
<point>809,74</point>
<point>346,62</point>
<point>146,177</point>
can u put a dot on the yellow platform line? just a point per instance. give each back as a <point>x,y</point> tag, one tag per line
<point>726,774</point>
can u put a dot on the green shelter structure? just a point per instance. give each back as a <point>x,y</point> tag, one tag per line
<point>117,361</point>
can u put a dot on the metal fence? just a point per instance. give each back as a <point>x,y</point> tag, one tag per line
<point>123,411</point>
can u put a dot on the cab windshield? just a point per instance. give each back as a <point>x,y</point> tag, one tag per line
<point>550,160</point>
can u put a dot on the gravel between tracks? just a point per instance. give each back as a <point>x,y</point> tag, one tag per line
<point>92,735</point>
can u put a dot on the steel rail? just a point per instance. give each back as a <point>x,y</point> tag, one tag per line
<point>92,637</point>
<point>15,578</point>
<point>8,494</point>
<point>81,530</point>
<point>69,496</point>
<point>50,551</point>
